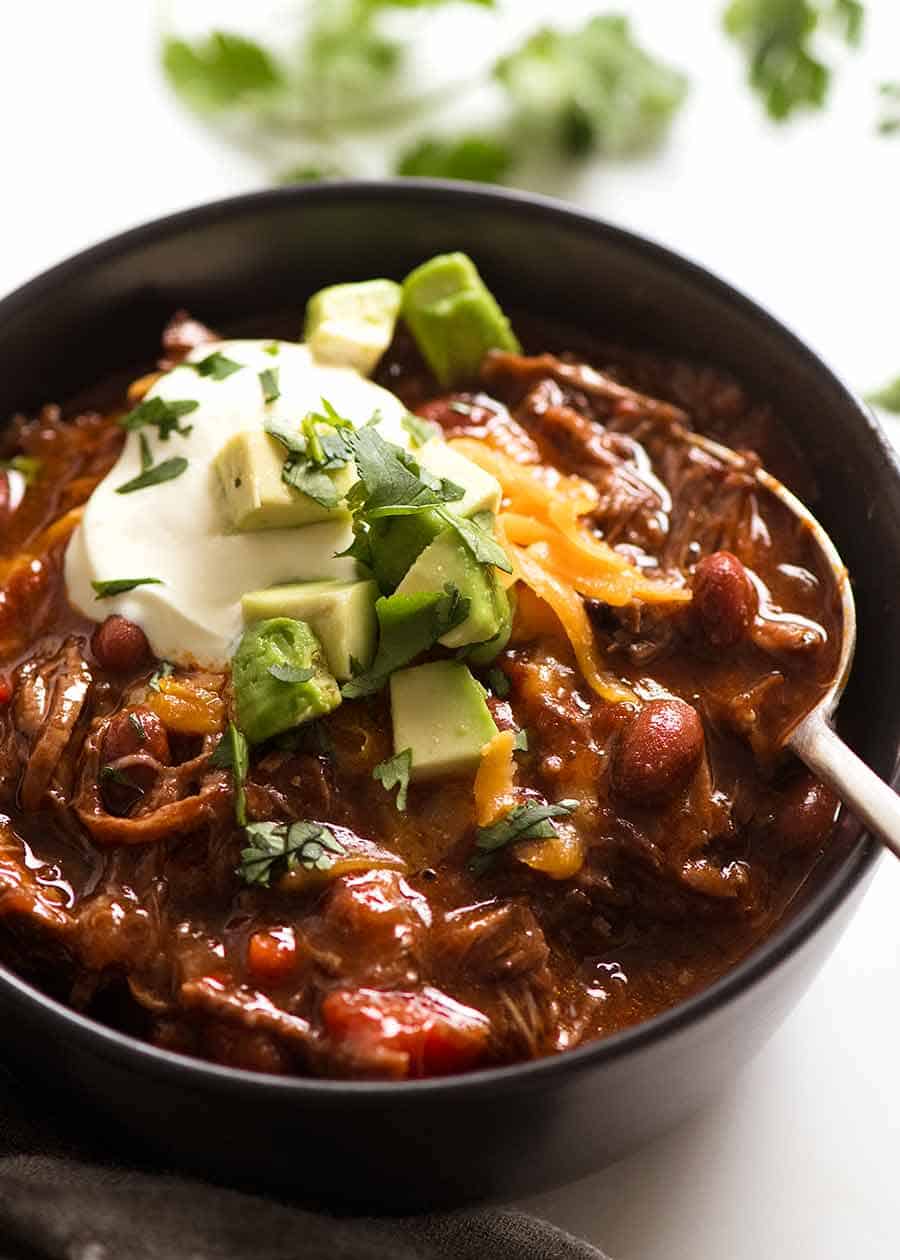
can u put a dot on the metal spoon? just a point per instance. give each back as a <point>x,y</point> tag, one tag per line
<point>814,739</point>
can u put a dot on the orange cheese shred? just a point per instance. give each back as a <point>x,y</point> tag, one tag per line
<point>495,779</point>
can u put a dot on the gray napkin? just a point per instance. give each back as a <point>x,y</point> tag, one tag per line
<point>56,1204</point>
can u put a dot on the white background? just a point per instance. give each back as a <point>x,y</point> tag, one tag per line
<point>800,1159</point>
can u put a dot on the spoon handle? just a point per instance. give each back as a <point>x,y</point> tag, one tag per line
<point>869,797</point>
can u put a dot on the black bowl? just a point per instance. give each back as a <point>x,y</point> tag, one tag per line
<point>511,1130</point>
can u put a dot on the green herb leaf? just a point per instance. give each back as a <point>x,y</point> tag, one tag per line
<point>111,774</point>
<point>476,156</point>
<point>498,682</point>
<point>290,673</point>
<point>421,431</point>
<point>27,466</point>
<point>119,586</point>
<point>779,39</point>
<point>590,88</point>
<point>166,670</point>
<point>520,743</point>
<point>216,366</point>
<point>273,348</point>
<point>888,398</point>
<point>161,415</point>
<point>524,822</point>
<point>483,546</point>
<point>168,470</point>
<point>395,772</point>
<point>300,470</point>
<point>410,625</point>
<point>220,71</point>
<point>276,848</point>
<point>232,753</point>
<point>268,379</point>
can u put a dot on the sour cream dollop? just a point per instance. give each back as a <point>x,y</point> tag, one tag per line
<point>176,531</point>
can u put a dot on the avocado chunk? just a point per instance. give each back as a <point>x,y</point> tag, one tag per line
<point>255,496</point>
<point>397,541</point>
<point>448,561</point>
<point>280,679</point>
<point>340,614</point>
<point>453,317</point>
<point>439,712</point>
<point>482,491</point>
<point>351,325</point>
<point>484,653</point>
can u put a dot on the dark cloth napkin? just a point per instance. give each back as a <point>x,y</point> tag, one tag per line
<point>58,1202</point>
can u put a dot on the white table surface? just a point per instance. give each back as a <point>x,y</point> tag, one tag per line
<point>799,1159</point>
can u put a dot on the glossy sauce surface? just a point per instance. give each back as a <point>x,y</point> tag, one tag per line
<point>692,831</point>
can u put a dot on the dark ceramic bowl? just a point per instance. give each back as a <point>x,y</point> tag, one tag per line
<point>511,1130</point>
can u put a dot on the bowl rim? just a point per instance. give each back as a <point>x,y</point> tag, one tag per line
<point>785,941</point>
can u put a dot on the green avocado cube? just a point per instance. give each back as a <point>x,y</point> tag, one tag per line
<point>482,490</point>
<point>351,325</point>
<point>254,496</point>
<point>340,614</point>
<point>396,542</point>
<point>280,679</point>
<point>439,712</point>
<point>454,317</point>
<point>448,560</point>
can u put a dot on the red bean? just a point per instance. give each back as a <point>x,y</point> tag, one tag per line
<point>119,645</point>
<point>805,815</point>
<point>129,732</point>
<point>725,600</point>
<point>658,752</point>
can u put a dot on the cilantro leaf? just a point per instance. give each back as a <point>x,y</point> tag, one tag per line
<point>498,683</point>
<point>590,88</point>
<point>778,38</point>
<point>409,625</point>
<point>216,366</point>
<point>276,848</point>
<point>888,398</point>
<point>477,156</point>
<point>394,773</point>
<point>111,774</point>
<point>421,431</point>
<point>119,586</point>
<point>220,71</point>
<point>532,821</point>
<point>232,753</point>
<point>166,670</point>
<point>482,544</point>
<point>268,379</point>
<point>161,415</point>
<point>301,469</point>
<point>155,475</point>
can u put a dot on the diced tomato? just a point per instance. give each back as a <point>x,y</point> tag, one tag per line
<point>272,955</point>
<point>404,1034</point>
<point>6,690</point>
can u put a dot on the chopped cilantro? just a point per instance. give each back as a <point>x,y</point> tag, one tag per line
<point>394,773</point>
<point>520,743</point>
<point>523,822</point>
<point>268,379</point>
<point>276,848</point>
<point>155,474</point>
<point>421,431</point>
<point>161,415</point>
<point>409,625</point>
<point>498,682</point>
<point>119,586</point>
<point>220,71</point>
<point>474,156</point>
<point>166,670</point>
<point>232,753</point>
<point>216,366</point>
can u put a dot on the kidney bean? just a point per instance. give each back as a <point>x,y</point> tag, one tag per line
<point>132,731</point>
<point>805,814</point>
<point>119,645</point>
<point>658,752</point>
<point>725,600</point>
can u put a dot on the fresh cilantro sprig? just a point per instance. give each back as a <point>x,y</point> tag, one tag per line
<point>276,848</point>
<point>532,821</point>
<point>268,379</point>
<point>779,40</point>
<point>162,415</point>
<point>419,430</point>
<point>318,448</point>
<point>394,773</point>
<point>216,366</point>
<point>232,753</point>
<point>155,474</point>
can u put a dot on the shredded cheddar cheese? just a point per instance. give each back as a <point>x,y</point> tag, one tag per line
<point>560,560</point>
<point>495,779</point>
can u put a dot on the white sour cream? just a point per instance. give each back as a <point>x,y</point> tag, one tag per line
<point>176,531</point>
